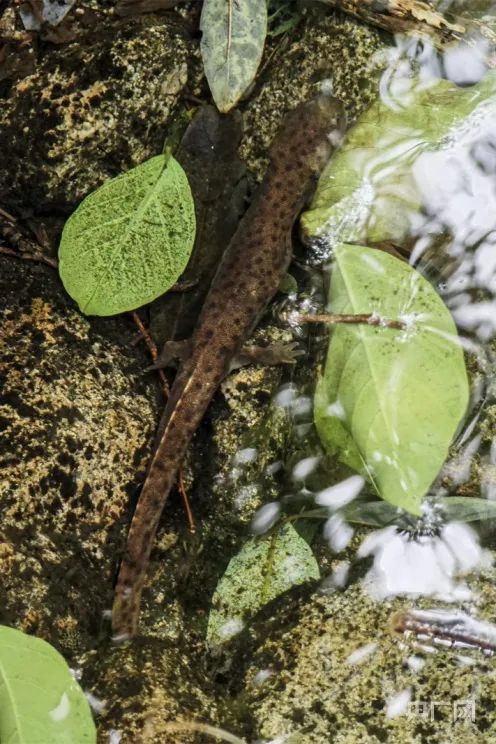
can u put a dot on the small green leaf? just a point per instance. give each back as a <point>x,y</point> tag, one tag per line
<point>390,400</point>
<point>371,513</point>
<point>130,240</point>
<point>263,569</point>
<point>232,44</point>
<point>288,285</point>
<point>40,701</point>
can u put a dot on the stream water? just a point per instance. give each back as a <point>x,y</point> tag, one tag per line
<point>436,192</point>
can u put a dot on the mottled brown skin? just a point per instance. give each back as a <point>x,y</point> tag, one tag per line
<point>248,277</point>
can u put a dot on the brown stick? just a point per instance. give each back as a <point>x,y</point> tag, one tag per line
<point>152,348</point>
<point>39,257</point>
<point>402,16</point>
<point>370,319</point>
<point>8,216</point>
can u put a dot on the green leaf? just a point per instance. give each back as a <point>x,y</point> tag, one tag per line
<point>40,701</point>
<point>263,569</point>
<point>369,192</point>
<point>468,508</point>
<point>371,513</point>
<point>130,240</point>
<point>232,44</point>
<point>288,285</point>
<point>454,509</point>
<point>390,400</point>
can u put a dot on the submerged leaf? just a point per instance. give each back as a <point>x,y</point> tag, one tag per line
<point>390,400</point>
<point>453,509</point>
<point>468,508</point>
<point>394,159</point>
<point>208,153</point>
<point>262,570</point>
<point>232,45</point>
<point>40,701</point>
<point>130,240</point>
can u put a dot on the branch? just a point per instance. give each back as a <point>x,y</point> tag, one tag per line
<point>402,16</point>
<point>371,319</point>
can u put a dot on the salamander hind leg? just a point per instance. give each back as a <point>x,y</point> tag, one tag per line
<point>172,351</point>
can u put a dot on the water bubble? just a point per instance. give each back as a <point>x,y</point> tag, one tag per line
<point>398,704</point>
<point>265,517</point>
<point>305,467</point>
<point>245,456</point>
<point>342,493</point>
<point>338,533</point>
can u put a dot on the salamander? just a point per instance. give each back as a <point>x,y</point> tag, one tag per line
<point>248,277</point>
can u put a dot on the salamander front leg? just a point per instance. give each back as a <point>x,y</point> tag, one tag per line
<point>276,353</point>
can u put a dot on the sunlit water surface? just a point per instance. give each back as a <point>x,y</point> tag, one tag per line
<point>451,240</point>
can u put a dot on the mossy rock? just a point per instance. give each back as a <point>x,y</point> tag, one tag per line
<point>77,416</point>
<point>92,109</point>
<point>305,679</point>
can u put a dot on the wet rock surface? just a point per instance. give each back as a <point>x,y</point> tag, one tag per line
<point>144,686</point>
<point>79,417</point>
<point>92,109</point>
<point>77,420</point>
<point>329,668</point>
<point>328,47</point>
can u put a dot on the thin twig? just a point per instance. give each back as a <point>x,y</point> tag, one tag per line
<point>184,496</point>
<point>152,348</point>
<point>205,728</point>
<point>38,257</point>
<point>8,216</point>
<point>363,319</point>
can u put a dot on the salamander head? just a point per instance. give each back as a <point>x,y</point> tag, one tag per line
<point>310,132</point>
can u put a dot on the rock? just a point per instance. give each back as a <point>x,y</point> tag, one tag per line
<point>143,686</point>
<point>331,48</point>
<point>92,109</point>
<point>77,416</point>
<point>303,680</point>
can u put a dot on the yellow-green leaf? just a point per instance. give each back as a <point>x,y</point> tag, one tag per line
<point>130,240</point>
<point>390,400</point>
<point>40,701</point>
<point>370,191</point>
<point>263,569</point>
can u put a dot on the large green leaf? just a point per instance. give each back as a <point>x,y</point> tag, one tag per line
<point>232,45</point>
<point>390,400</point>
<point>40,701</point>
<point>264,568</point>
<point>370,192</point>
<point>129,241</point>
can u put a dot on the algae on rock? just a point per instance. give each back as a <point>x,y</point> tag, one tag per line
<point>91,110</point>
<point>327,668</point>
<point>324,48</point>
<point>77,416</point>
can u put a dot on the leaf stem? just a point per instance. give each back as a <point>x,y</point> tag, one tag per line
<point>152,348</point>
